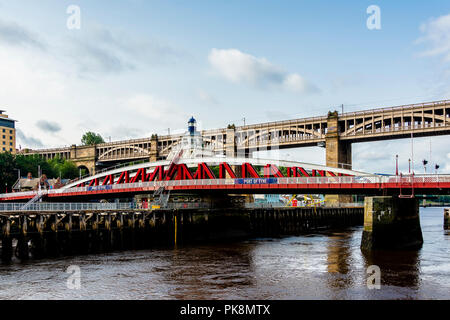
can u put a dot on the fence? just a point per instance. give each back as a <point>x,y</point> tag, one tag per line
<point>402,180</point>
<point>94,206</point>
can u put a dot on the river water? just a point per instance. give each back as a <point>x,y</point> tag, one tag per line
<point>327,265</point>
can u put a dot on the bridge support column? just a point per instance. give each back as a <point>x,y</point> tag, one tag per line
<point>38,242</point>
<point>391,223</point>
<point>154,148</point>
<point>338,155</point>
<point>84,156</point>
<point>446,218</point>
<point>7,248</point>
<point>22,241</point>
<point>338,152</point>
<point>231,149</point>
<point>230,143</point>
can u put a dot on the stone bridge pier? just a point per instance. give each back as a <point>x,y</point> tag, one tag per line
<point>84,157</point>
<point>338,155</point>
<point>391,223</point>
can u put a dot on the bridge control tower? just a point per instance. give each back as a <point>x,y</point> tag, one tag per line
<point>192,144</point>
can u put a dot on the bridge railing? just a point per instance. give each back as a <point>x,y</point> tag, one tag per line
<point>398,108</point>
<point>93,206</point>
<point>416,179</point>
<point>260,205</point>
<point>5,207</point>
<point>268,181</point>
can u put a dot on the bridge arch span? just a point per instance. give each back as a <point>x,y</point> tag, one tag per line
<point>128,150</point>
<point>84,168</point>
<point>133,170</point>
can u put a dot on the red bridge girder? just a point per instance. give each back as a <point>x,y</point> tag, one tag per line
<point>182,172</point>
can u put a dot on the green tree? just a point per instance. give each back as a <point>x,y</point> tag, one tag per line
<point>31,163</point>
<point>216,171</point>
<point>64,168</point>
<point>69,170</point>
<point>91,138</point>
<point>8,175</point>
<point>283,170</point>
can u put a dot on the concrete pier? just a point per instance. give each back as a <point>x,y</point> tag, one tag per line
<point>391,223</point>
<point>51,234</point>
<point>446,218</point>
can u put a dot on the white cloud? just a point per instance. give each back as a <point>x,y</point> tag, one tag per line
<point>294,82</point>
<point>15,35</point>
<point>160,114</point>
<point>49,89</point>
<point>240,67</point>
<point>100,50</point>
<point>26,141</point>
<point>436,35</point>
<point>206,97</point>
<point>48,126</point>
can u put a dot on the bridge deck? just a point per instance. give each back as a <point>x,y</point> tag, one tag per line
<point>422,119</point>
<point>425,184</point>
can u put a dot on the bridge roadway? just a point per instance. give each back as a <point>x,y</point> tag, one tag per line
<point>363,185</point>
<point>336,132</point>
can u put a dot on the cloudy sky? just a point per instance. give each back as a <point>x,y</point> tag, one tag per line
<point>139,67</point>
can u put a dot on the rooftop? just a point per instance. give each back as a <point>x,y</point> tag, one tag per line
<point>5,116</point>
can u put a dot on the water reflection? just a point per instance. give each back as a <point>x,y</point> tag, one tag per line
<point>197,272</point>
<point>338,261</point>
<point>327,265</point>
<point>398,268</point>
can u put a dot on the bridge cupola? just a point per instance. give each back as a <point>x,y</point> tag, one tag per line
<point>192,126</point>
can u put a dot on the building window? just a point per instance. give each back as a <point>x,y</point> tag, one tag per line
<point>3,130</point>
<point>4,149</point>
<point>10,137</point>
<point>4,142</point>
<point>10,131</point>
<point>10,149</point>
<point>10,143</point>
<point>4,137</point>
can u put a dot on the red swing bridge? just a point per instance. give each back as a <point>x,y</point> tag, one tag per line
<point>221,175</point>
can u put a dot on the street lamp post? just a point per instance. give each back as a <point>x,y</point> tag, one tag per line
<point>39,176</point>
<point>424,165</point>
<point>18,178</point>
<point>396,165</point>
<point>412,151</point>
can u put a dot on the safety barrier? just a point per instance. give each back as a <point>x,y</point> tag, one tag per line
<point>151,185</point>
<point>95,206</point>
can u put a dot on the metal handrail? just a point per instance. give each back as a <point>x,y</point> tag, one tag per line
<point>98,206</point>
<point>416,179</point>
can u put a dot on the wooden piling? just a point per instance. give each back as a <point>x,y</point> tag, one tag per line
<point>6,242</point>
<point>50,234</point>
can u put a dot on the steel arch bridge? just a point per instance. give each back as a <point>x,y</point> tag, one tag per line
<point>237,176</point>
<point>202,168</point>
<point>422,119</point>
